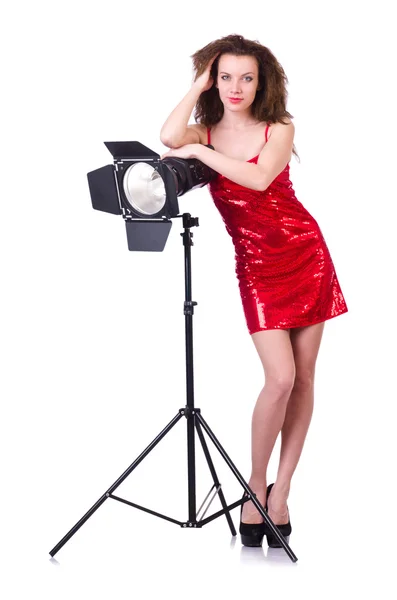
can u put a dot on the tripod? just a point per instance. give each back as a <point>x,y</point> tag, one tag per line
<point>195,422</point>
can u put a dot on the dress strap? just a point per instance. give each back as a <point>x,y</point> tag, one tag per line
<point>209,135</point>
<point>267,129</point>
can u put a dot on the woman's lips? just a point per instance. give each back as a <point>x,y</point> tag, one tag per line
<point>235,100</point>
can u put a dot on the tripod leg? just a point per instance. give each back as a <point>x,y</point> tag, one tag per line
<point>191,462</point>
<point>115,484</point>
<point>215,477</point>
<point>254,500</point>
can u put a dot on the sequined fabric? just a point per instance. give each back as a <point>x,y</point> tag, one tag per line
<point>285,272</point>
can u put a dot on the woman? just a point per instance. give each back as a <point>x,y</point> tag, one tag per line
<point>286,276</point>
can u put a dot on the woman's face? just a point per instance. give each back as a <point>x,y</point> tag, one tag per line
<point>237,79</point>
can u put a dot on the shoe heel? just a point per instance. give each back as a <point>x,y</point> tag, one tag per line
<point>273,542</point>
<point>254,539</point>
<point>251,534</point>
<point>285,529</point>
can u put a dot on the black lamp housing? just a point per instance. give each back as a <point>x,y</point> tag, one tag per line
<point>146,229</point>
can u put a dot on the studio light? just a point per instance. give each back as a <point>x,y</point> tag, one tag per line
<point>144,189</point>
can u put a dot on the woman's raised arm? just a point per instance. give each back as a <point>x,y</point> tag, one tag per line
<point>176,132</point>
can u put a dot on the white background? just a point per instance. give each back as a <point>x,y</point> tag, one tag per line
<point>92,335</point>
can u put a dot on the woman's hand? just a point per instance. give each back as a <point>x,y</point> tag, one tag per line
<point>186,151</point>
<point>204,82</point>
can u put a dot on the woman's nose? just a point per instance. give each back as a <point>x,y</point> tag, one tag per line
<point>236,87</point>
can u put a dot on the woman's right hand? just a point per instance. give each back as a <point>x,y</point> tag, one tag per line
<point>204,82</point>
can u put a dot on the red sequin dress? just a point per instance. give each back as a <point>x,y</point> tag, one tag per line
<point>285,272</point>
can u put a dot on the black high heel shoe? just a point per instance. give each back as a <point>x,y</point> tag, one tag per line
<point>251,533</point>
<point>285,529</point>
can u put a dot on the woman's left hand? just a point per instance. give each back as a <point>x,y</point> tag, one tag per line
<point>186,151</point>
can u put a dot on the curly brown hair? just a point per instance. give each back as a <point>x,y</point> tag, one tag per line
<point>270,102</point>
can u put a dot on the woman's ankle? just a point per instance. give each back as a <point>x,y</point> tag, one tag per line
<point>281,488</point>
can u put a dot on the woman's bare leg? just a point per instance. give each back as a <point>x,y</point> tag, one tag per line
<point>275,351</point>
<point>305,344</point>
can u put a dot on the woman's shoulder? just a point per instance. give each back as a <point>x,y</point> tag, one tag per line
<point>278,125</point>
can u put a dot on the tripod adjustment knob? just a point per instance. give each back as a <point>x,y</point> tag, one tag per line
<point>188,307</point>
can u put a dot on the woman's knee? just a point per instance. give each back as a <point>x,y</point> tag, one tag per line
<point>275,351</point>
<point>281,381</point>
<point>304,379</point>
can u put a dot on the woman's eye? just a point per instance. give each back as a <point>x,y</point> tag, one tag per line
<point>248,77</point>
